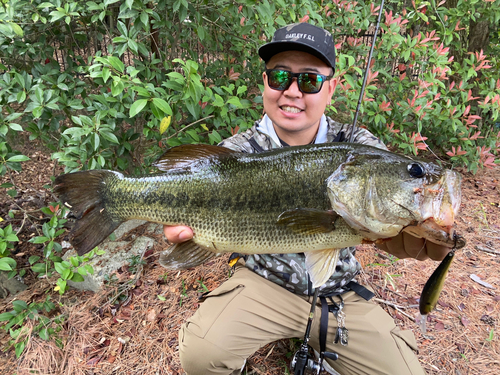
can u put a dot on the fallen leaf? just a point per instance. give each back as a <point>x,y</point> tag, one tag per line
<point>465,321</point>
<point>439,326</point>
<point>93,361</point>
<point>478,280</point>
<point>443,304</point>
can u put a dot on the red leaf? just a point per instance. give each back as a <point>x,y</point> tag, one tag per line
<point>439,326</point>
<point>93,361</point>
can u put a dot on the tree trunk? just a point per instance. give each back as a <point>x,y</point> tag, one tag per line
<point>479,36</point>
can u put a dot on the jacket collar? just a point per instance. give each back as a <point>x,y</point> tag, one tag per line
<point>266,127</point>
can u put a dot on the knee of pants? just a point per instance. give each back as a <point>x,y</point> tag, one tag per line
<point>200,356</point>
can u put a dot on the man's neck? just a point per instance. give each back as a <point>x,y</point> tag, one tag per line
<point>296,138</point>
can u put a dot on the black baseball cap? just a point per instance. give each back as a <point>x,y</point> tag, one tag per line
<point>301,37</point>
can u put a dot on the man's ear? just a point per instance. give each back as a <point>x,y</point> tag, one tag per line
<point>331,90</point>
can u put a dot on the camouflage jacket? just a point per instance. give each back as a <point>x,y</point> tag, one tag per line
<point>289,270</point>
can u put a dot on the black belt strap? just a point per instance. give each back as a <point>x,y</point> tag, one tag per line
<point>323,325</point>
<point>360,290</point>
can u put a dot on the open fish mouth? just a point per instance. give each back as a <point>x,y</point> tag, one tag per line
<point>441,200</point>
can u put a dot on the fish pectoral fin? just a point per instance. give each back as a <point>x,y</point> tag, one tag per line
<point>308,220</point>
<point>185,255</point>
<point>321,265</point>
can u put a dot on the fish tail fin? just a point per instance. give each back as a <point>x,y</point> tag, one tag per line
<point>81,192</point>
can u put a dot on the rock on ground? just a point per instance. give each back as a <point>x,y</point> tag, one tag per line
<point>117,253</point>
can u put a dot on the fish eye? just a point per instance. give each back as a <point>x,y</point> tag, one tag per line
<point>416,170</point>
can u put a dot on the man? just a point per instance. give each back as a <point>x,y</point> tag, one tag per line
<point>269,296</point>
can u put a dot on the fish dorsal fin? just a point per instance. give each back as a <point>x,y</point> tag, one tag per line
<point>321,265</point>
<point>308,220</point>
<point>187,156</point>
<point>185,255</point>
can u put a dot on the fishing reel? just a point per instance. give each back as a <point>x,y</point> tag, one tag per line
<point>302,363</point>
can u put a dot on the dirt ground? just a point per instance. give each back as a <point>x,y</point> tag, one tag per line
<point>131,326</point>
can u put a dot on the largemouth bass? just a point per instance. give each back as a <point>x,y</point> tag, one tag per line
<point>314,199</point>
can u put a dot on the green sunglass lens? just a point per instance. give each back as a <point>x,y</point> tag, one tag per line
<point>279,79</point>
<point>310,83</point>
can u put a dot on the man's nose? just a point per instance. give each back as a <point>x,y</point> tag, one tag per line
<point>293,90</point>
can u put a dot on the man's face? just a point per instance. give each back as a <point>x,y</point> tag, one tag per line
<point>296,115</point>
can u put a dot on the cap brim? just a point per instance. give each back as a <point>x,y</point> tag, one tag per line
<point>267,51</point>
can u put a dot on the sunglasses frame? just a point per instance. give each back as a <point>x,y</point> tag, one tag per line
<point>298,76</point>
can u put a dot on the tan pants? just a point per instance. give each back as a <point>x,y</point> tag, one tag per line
<point>247,312</point>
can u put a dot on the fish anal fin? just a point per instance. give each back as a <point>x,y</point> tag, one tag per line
<point>308,220</point>
<point>185,156</point>
<point>321,265</point>
<point>185,255</point>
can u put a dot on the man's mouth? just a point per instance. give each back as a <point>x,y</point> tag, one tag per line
<point>286,108</point>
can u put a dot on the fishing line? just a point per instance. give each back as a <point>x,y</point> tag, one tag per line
<point>366,72</point>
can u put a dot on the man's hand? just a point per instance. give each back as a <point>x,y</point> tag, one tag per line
<point>178,233</point>
<point>404,245</point>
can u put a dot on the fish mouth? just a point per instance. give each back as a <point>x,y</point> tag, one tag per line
<point>441,200</point>
<point>432,231</point>
<point>439,204</point>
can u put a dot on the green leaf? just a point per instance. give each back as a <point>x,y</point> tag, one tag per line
<point>66,274</point>
<point>16,28</point>
<point>138,106</point>
<point>219,102</point>
<point>19,305</point>
<point>116,63</point>
<point>6,316</point>
<point>110,137</point>
<point>59,267</point>
<point>20,348</point>
<point>16,127</point>
<point>18,158</point>
<point>117,88</point>
<point>32,259</point>
<point>44,334</point>
<point>77,278</point>
<point>39,239</point>
<point>122,28</point>
<point>21,96</point>
<point>39,268</point>
<point>7,264</point>
<point>106,73</point>
<point>163,105</point>
<point>11,238</point>
<point>45,5</point>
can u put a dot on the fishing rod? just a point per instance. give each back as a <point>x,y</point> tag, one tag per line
<point>366,72</point>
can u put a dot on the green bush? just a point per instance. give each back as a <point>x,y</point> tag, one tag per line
<point>125,66</point>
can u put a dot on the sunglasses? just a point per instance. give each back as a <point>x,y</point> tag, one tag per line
<point>309,83</point>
